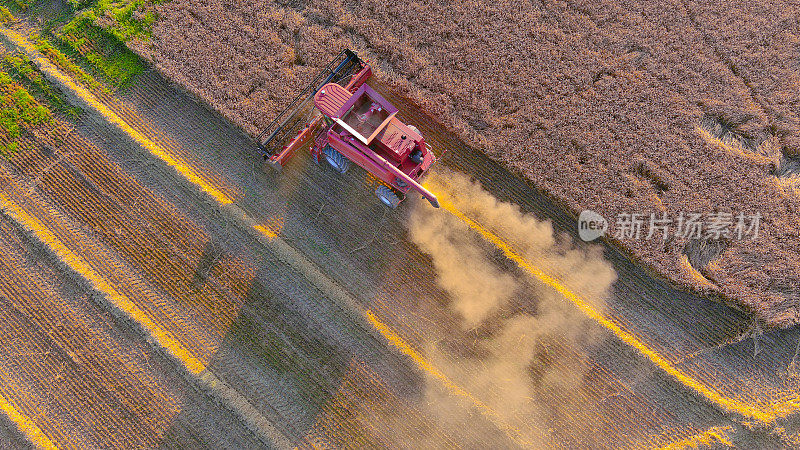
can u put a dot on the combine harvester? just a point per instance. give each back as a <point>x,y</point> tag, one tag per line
<point>351,122</point>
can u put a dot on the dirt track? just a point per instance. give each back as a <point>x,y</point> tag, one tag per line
<point>10,437</point>
<point>303,361</point>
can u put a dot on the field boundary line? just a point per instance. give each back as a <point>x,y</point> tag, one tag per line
<point>25,426</point>
<point>121,306</point>
<point>715,397</point>
<point>89,101</point>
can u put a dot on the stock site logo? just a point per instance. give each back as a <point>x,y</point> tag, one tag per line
<point>634,226</point>
<point>591,225</point>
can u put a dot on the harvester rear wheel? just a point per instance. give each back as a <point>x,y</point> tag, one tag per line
<point>387,196</point>
<point>337,161</point>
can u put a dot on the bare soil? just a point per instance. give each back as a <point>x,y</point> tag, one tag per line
<point>617,107</point>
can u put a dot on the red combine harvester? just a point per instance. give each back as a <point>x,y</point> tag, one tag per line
<point>352,123</point>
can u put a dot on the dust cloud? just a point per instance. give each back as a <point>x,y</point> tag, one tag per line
<point>521,343</point>
<point>479,286</point>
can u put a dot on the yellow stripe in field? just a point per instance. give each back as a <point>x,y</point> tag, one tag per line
<point>711,394</point>
<point>76,263</point>
<point>112,117</point>
<point>404,348</point>
<point>26,426</point>
<point>719,436</point>
<point>708,137</point>
<point>266,231</point>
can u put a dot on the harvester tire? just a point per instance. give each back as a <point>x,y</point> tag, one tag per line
<point>337,161</point>
<point>387,196</point>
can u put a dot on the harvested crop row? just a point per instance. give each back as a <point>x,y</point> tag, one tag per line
<point>75,193</point>
<point>88,380</point>
<point>363,406</point>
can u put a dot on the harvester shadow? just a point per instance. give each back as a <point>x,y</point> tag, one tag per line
<point>289,368</point>
<point>211,253</point>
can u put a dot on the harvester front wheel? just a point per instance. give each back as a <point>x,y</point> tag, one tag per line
<point>387,196</point>
<point>337,161</point>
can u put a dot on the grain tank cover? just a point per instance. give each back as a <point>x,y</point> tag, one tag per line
<point>330,99</point>
<point>398,138</point>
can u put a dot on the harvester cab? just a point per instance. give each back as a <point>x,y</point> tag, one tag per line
<point>352,123</point>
